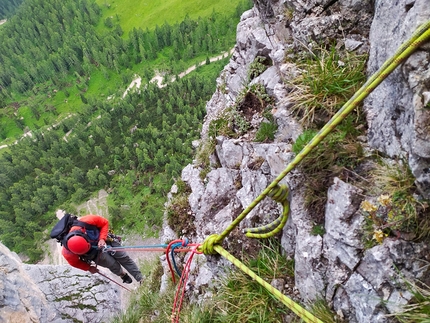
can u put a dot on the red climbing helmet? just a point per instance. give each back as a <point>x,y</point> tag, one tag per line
<point>78,245</point>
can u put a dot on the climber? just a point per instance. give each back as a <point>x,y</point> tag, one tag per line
<point>84,243</point>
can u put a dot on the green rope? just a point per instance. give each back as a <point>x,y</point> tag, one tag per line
<point>405,50</point>
<point>280,193</point>
<point>293,306</point>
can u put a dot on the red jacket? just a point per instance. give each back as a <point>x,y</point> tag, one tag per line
<point>102,224</point>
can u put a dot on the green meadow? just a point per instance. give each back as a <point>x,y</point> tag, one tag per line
<point>148,13</point>
<point>55,102</point>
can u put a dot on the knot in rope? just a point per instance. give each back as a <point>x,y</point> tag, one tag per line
<point>185,242</point>
<point>208,245</point>
<point>280,193</point>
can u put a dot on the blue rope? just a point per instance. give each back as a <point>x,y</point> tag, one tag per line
<point>140,247</point>
<point>172,254</point>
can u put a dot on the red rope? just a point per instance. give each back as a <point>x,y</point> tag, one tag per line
<point>179,296</point>
<point>188,247</point>
<point>168,259</point>
<point>98,272</point>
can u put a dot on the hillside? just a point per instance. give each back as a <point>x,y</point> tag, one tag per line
<point>80,134</point>
<point>8,8</point>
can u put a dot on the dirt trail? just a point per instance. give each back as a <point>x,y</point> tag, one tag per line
<point>158,78</point>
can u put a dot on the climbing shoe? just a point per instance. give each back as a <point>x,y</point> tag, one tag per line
<point>126,279</point>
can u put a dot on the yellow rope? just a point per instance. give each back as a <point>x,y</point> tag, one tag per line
<point>293,306</point>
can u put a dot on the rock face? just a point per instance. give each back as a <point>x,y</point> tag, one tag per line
<point>362,285</point>
<point>21,300</point>
<point>397,110</point>
<point>57,294</point>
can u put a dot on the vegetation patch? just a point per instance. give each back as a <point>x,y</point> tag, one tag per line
<point>253,100</point>
<point>321,309</point>
<point>236,121</point>
<point>338,155</point>
<point>179,215</point>
<point>393,208</point>
<point>148,306</point>
<point>266,132</point>
<point>241,299</point>
<point>203,155</point>
<point>418,309</point>
<point>258,66</point>
<point>318,230</point>
<point>328,79</point>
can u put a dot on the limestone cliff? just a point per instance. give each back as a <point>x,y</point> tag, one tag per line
<point>360,283</point>
<point>57,294</point>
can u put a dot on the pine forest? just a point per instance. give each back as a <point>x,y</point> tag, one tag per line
<point>66,128</point>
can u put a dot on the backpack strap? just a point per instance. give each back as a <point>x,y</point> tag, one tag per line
<point>77,223</point>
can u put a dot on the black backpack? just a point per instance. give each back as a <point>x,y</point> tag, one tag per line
<point>62,228</point>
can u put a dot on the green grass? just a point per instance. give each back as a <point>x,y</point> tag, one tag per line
<point>101,86</point>
<point>241,299</point>
<point>333,157</point>
<point>148,13</point>
<point>266,132</point>
<point>136,205</point>
<point>329,79</point>
<point>10,129</point>
<point>418,308</point>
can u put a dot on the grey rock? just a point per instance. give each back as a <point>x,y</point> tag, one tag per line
<point>364,300</point>
<point>351,44</point>
<point>229,154</point>
<point>57,294</point>
<point>395,108</point>
<point>343,223</point>
<point>309,267</point>
<point>191,175</point>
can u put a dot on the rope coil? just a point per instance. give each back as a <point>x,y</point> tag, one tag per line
<point>280,194</point>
